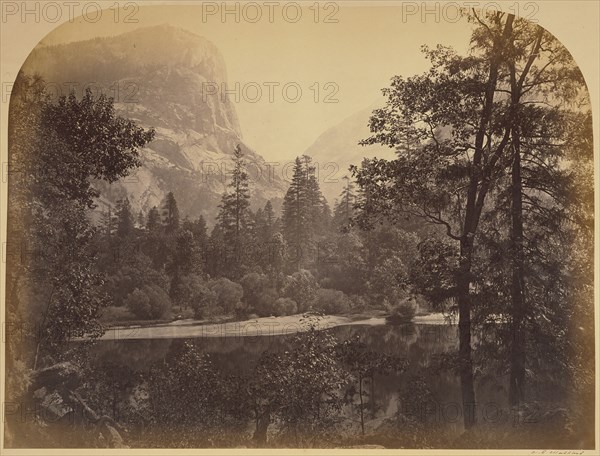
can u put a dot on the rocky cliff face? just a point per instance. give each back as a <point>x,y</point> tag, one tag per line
<point>163,77</point>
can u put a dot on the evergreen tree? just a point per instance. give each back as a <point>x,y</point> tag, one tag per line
<point>234,215</point>
<point>319,213</point>
<point>306,214</point>
<point>125,227</point>
<point>171,213</point>
<point>109,221</point>
<point>153,222</point>
<point>265,223</point>
<point>198,229</point>
<point>295,217</point>
<point>235,218</point>
<point>344,208</point>
<point>269,214</point>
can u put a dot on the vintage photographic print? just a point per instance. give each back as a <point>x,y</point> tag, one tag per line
<point>299,226</point>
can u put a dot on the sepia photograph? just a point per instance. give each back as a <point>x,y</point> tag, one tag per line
<point>299,226</point>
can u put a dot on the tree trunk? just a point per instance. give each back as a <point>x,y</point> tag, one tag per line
<point>479,184</point>
<point>517,348</point>
<point>464,330</point>
<point>517,352</point>
<point>372,401</point>
<point>362,405</point>
<point>262,424</point>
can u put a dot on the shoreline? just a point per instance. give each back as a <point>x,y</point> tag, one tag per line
<point>256,327</point>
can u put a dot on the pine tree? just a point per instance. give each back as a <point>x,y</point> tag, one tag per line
<point>264,223</point>
<point>319,214</point>
<point>171,213</point>
<point>234,215</point>
<point>153,222</point>
<point>295,216</point>
<point>235,218</point>
<point>125,225</point>
<point>198,229</point>
<point>109,221</point>
<point>344,208</point>
<point>269,214</point>
<point>306,214</point>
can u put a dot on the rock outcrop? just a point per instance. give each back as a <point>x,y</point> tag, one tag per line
<point>169,79</point>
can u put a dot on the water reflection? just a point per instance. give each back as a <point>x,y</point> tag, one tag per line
<point>421,345</point>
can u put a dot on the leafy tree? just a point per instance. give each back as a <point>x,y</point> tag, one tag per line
<point>302,287</point>
<point>195,293</point>
<point>432,274</point>
<point>347,271</point>
<point>459,119</point>
<point>218,414</point>
<point>285,306</point>
<point>301,387</point>
<point>538,64</point>
<point>150,302</point>
<point>228,294</point>
<point>259,296</point>
<point>135,272</point>
<point>61,147</point>
<point>331,301</point>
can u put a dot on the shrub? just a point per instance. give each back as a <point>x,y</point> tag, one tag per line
<point>228,294</point>
<point>135,272</point>
<point>194,292</point>
<point>358,303</point>
<point>258,295</point>
<point>402,313</point>
<point>204,302</point>
<point>302,287</point>
<point>285,306</point>
<point>265,304</point>
<point>114,313</point>
<point>151,302</point>
<point>331,301</point>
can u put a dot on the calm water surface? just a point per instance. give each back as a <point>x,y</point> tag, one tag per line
<point>419,344</point>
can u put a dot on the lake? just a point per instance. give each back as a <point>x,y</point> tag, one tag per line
<point>420,344</point>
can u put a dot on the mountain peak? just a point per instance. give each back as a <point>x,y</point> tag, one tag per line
<point>157,76</point>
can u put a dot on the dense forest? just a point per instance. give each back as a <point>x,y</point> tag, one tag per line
<point>486,214</point>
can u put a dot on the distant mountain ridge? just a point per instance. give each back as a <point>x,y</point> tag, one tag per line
<point>337,148</point>
<point>158,77</point>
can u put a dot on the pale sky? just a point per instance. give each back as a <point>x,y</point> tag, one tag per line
<point>357,55</point>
